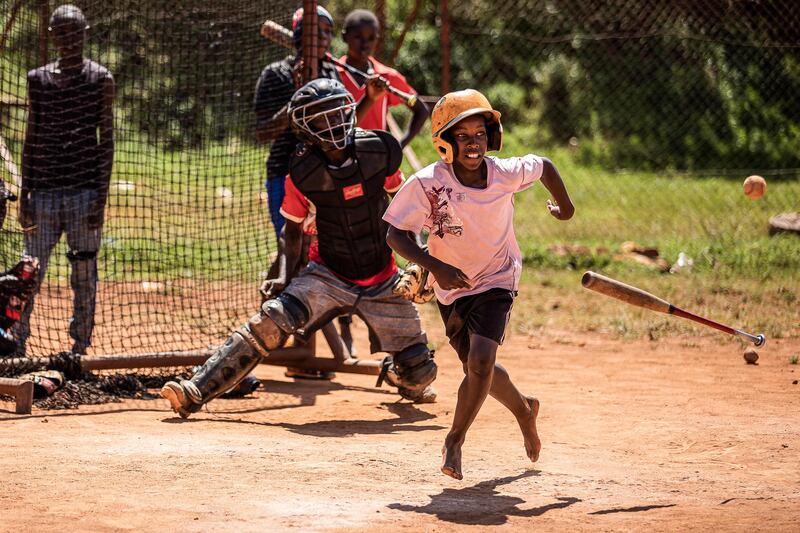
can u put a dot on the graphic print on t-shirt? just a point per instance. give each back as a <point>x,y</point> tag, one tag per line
<point>443,218</point>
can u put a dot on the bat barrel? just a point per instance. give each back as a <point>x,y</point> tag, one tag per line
<point>626,293</point>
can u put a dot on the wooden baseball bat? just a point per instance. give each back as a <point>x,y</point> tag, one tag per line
<point>410,99</point>
<point>274,32</point>
<point>635,296</point>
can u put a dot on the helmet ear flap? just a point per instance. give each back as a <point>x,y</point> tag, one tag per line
<point>495,130</point>
<point>444,149</point>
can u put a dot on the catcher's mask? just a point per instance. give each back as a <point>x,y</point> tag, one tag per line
<point>322,112</point>
<point>454,107</point>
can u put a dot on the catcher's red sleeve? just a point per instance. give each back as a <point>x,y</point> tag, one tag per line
<point>295,205</point>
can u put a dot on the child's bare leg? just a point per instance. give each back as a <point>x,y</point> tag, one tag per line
<point>471,394</point>
<point>524,409</point>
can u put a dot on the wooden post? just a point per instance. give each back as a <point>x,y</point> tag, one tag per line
<point>410,19</point>
<point>44,22</point>
<point>21,390</point>
<point>10,24</point>
<point>380,14</point>
<point>371,367</point>
<point>310,41</point>
<point>445,45</point>
<point>144,360</point>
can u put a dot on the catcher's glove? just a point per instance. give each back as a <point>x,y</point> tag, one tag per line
<point>412,284</point>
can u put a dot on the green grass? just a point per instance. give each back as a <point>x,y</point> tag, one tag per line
<point>173,225</point>
<point>740,275</point>
<point>708,218</point>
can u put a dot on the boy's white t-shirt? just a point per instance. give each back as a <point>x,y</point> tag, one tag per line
<point>470,229</point>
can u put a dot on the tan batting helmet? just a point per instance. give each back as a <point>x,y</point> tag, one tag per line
<point>454,107</point>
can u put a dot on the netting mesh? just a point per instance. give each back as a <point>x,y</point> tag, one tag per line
<point>187,232</point>
<point>644,84</point>
<point>709,88</point>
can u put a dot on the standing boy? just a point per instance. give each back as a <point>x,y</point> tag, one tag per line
<point>343,174</point>
<point>66,167</point>
<point>275,87</point>
<point>466,201</point>
<point>361,31</point>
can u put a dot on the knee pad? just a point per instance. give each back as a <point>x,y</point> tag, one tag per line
<point>412,368</point>
<point>269,328</point>
<point>287,312</point>
<point>75,255</point>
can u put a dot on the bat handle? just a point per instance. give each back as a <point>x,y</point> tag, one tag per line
<point>410,99</point>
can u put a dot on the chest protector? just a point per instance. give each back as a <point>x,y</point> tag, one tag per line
<point>350,202</point>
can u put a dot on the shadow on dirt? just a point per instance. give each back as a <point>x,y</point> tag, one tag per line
<point>636,509</point>
<point>406,417</point>
<point>272,394</point>
<point>482,504</point>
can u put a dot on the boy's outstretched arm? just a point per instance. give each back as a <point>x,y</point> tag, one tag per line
<point>561,206</point>
<point>404,243</point>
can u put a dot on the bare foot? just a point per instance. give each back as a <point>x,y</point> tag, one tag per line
<point>528,426</point>
<point>451,462</point>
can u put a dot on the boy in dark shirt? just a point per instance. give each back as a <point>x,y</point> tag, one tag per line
<point>66,167</point>
<point>275,87</point>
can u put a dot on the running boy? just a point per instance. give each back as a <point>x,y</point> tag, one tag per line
<point>467,203</point>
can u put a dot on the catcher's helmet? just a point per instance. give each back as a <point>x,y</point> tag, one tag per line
<point>322,112</point>
<point>454,107</point>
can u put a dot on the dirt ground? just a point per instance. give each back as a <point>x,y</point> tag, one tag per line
<point>637,435</point>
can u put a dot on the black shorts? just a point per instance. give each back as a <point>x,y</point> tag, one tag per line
<point>485,314</point>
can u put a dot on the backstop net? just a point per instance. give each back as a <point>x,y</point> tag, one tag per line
<point>665,102</point>
<point>187,231</point>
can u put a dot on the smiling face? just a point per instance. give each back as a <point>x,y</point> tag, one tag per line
<point>471,141</point>
<point>361,41</point>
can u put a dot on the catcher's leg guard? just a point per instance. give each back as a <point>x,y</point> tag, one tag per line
<point>412,371</point>
<point>265,331</point>
<point>230,363</point>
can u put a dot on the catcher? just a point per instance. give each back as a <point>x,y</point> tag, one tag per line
<point>340,172</point>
